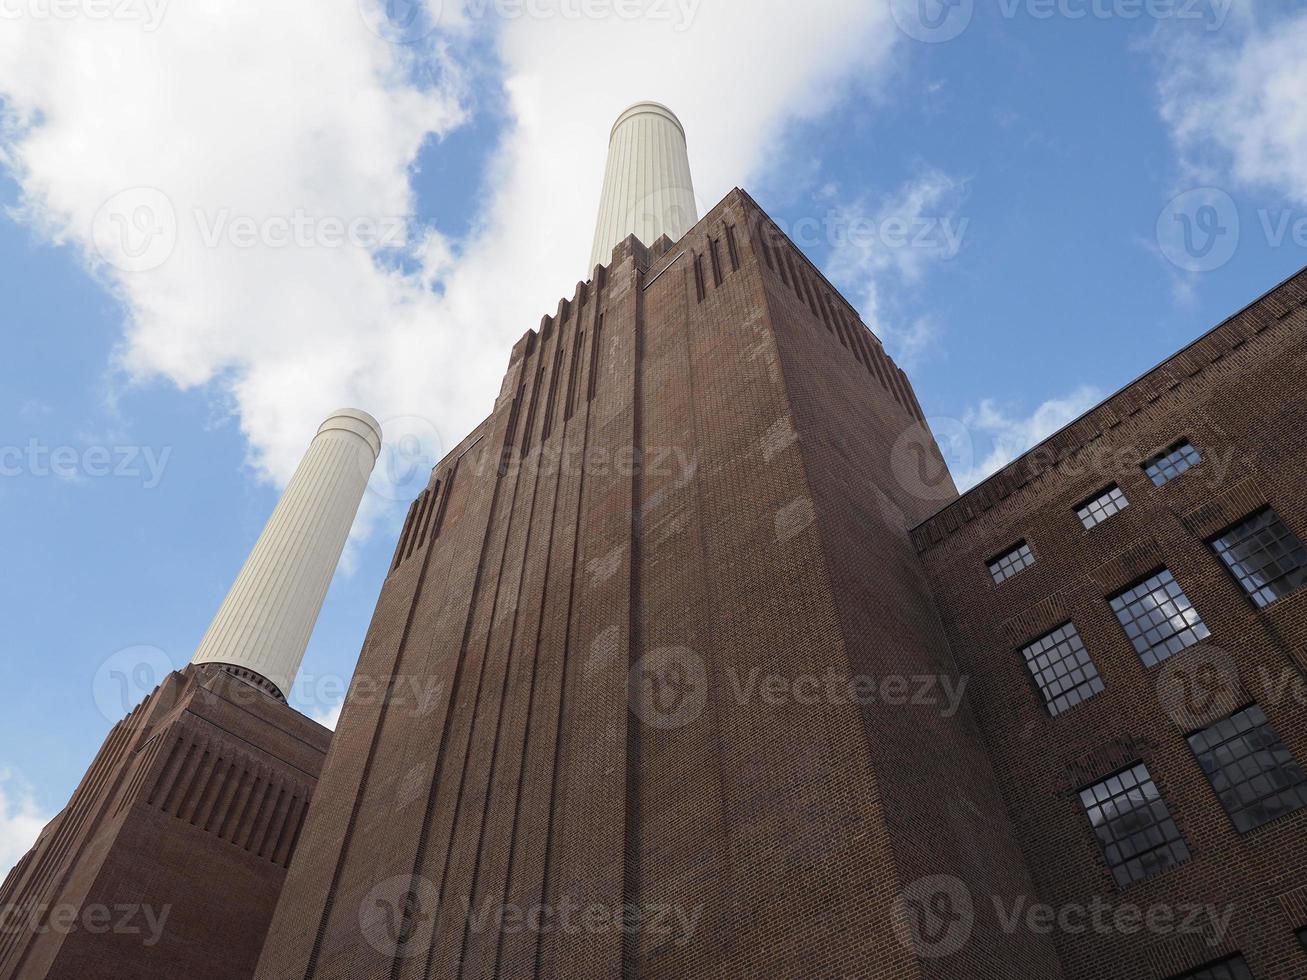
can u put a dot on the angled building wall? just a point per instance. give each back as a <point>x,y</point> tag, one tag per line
<point>686,485</point>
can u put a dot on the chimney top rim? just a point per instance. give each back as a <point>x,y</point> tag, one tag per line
<point>646,107</point>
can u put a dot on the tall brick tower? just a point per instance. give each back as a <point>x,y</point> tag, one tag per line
<point>645,585</point>
<point>169,857</point>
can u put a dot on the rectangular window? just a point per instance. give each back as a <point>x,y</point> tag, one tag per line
<point>1063,669</point>
<point>1133,826</point>
<point>1265,556</point>
<point>1250,768</point>
<point>1005,566</point>
<point>1094,512</point>
<point>1302,938</point>
<point>1234,968</point>
<point>700,288</point>
<point>1159,618</point>
<point>1166,467</point>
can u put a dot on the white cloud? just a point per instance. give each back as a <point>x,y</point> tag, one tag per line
<point>21,820</point>
<point>240,112</point>
<point>882,252</point>
<point>1234,102</point>
<point>995,437</point>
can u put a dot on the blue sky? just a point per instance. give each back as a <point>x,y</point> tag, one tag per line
<point>1031,149</point>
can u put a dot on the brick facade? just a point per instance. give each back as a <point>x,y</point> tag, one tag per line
<point>1236,395</point>
<point>688,483</point>
<point>170,855</point>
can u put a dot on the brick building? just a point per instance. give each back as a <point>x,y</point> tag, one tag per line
<point>704,469</point>
<point>733,683</point>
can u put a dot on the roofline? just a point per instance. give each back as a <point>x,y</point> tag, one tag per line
<point>1120,391</point>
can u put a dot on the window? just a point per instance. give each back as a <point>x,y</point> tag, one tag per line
<point>1096,511</point>
<point>1302,938</point>
<point>1265,556</point>
<point>1005,566</point>
<point>1159,618</point>
<point>1234,968</point>
<point>1063,669</point>
<point>1170,464</point>
<point>1133,826</point>
<point>1251,769</point>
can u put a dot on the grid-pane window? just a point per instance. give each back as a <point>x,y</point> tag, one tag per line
<point>1133,826</point>
<point>1234,968</point>
<point>1265,556</point>
<point>1005,566</point>
<point>1159,618</point>
<point>1251,769</point>
<point>1096,511</point>
<point>1170,464</point>
<point>1063,669</point>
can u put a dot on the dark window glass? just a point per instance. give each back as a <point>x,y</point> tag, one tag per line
<point>1096,511</point>
<point>1170,464</point>
<point>1265,556</point>
<point>1250,768</point>
<point>1006,566</point>
<point>1159,618</point>
<point>1133,826</point>
<point>1302,938</point>
<point>1063,669</point>
<point>1234,968</point>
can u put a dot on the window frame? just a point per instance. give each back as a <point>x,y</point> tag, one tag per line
<point>1149,657</point>
<point>1239,764</point>
<point>1107,491</point>
<point>1035,673</point>
<point>1221,555</point>
<point>1175,449</point>
<point>1006,553</point>
<point>1176,846</point>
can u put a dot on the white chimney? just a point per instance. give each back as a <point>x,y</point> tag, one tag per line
<point>648,191</point>
<point>263,625</point>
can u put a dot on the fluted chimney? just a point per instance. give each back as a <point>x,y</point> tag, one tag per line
<point>648,191</point>
<point>263,626</point>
